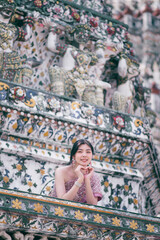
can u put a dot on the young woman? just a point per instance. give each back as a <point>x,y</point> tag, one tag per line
<point>78,181</point>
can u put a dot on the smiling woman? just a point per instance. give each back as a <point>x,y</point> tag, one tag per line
<point>78,181</point>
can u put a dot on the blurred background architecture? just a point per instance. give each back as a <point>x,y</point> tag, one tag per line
<point>143,19</point>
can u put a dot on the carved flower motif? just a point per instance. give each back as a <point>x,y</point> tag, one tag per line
<point>30,184</point>
<point>59,211</point>
<point>38,208</point>
<point>94,22</point>
<point>76,16</point>
<point>17,204</point>
<point>126,187</point>
<point>116,221</point>
<point>19,167</point>
<point>53,103</point>
<point>106,184</point>
<point>135,201</point>
<point>38,3</point>
<point>18,93</point>
<point>42,171</point>
<point>119,122</point>
<point>115,199</point>
<point>133,225</point>
<point>97,218</point>
<point>111,30</point>
<point>6,179</point>
<point>89,112</point>
<point>57,9</point>
<point>48,188</point>
<point>79,215</point>
<point>150,228</point>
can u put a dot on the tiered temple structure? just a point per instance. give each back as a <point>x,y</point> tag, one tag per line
<point>64,67</point>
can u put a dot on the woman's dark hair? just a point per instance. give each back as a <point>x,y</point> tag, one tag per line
<point>76,146</point>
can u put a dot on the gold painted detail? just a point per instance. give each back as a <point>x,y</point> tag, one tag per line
<point>116,221</point>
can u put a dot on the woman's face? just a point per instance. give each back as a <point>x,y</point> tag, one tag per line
<point>83,156</point>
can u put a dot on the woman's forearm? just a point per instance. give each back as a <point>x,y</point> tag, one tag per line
<point>91,199</point>
<point>70,195</point>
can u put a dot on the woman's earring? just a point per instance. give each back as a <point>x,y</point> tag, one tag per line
<point>73,162</point>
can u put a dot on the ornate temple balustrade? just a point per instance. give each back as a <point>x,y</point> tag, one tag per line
<point>33,214</point>
<point>96,8</point>
<point>22,103</point>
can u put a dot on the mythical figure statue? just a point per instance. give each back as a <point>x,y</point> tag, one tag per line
<point>72,78</point>
<point>11,64</point>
